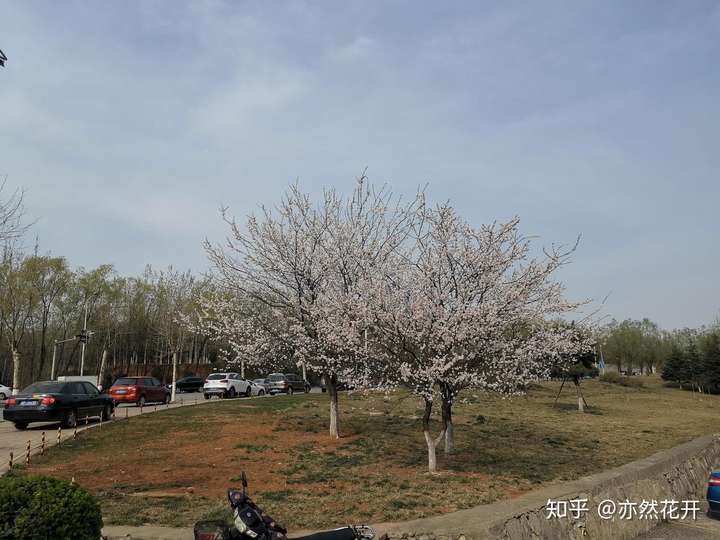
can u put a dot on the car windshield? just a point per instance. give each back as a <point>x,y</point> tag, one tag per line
<point>47,387</point>
<point>277,377</point>
<point>125,381</point>
<point>217,376</point>
<point>259,381</point>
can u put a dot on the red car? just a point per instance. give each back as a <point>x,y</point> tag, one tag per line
<point>139,390</point>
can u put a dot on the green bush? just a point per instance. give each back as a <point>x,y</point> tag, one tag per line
<point>34,507</point>
<point>615,378</point>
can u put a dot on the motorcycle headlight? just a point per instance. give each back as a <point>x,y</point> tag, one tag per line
<point>239,523</point>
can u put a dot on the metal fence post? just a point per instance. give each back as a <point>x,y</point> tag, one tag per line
<point>59,434</point>
<point>27,453</point>
<point>42,445</point>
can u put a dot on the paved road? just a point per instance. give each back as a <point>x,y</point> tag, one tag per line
<point>702,528</point>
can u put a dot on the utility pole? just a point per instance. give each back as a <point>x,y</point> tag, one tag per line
<point>52,367</point>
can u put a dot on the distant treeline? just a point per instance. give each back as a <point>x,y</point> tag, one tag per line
<point>694,361</point>
<point>133,319</point>
<point>640,347</point>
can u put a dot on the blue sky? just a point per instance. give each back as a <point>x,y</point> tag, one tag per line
<point>130,123</point>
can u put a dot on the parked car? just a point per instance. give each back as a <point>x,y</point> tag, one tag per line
<point>226,385</point>
<point>263,383</point>
<point>188,384</point>
<point>5,391</point>
<point>340,385</point>
<point>257,389</point>
<point>139,390</point>
<point>287,383</point>
<point>49,401</point>
<point>713,494</point>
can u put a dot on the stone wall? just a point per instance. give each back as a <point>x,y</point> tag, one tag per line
<point>678,473</point>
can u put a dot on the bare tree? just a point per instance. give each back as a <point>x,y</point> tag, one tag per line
<point>17,305</point>
<point>12,212</point>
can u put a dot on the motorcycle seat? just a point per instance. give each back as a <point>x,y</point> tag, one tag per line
<point>344,533</point>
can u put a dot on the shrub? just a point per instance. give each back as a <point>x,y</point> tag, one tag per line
<point>42,507</point>
<point>616,378</point>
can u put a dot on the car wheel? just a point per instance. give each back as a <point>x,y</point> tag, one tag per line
<point>141,401</point>
<point>231,393</point>
<point>21,425</point>
<point>70,420</point>
<point>2,396</point>
<point>207,396</point>
<point>261,393</point>
<point>290,391</point>
<point>106,413</point>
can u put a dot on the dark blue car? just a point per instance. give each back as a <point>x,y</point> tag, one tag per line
<point>49,401</point>
<point>713,493</point>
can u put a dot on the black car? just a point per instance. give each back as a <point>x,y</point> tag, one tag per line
<point>189,384</point>
<point>67,402</point>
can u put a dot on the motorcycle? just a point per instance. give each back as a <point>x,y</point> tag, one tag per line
<point>250,521</point>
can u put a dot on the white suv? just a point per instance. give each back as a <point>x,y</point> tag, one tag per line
<point>226,385</point>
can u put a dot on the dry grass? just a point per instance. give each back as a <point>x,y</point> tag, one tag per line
<point>173,467</point>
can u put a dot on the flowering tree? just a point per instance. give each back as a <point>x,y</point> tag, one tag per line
<point>249,332</point>
<point>463,306</point>
<point>306,265</point>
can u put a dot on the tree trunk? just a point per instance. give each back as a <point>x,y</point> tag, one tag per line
<point>431,444</point>
<point>16,370</point>
<point>447,403</point>
<point>43,346</point>
<point>331,383</point>
<point>174,377</point>
<point>101,370</point>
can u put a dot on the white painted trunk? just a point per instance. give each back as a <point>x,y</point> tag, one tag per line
<point>581,406</point>
<point>101,371</point>
<point>174,377</point>
<point>432,455</point>
<point>334,412</point>
<point>16,371</point>
<point>449,437</point>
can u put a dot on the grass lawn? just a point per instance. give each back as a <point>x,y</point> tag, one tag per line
<point>173,467</point>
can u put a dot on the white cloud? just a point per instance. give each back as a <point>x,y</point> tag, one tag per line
<point>238,102</point>
<point>360,47</point>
